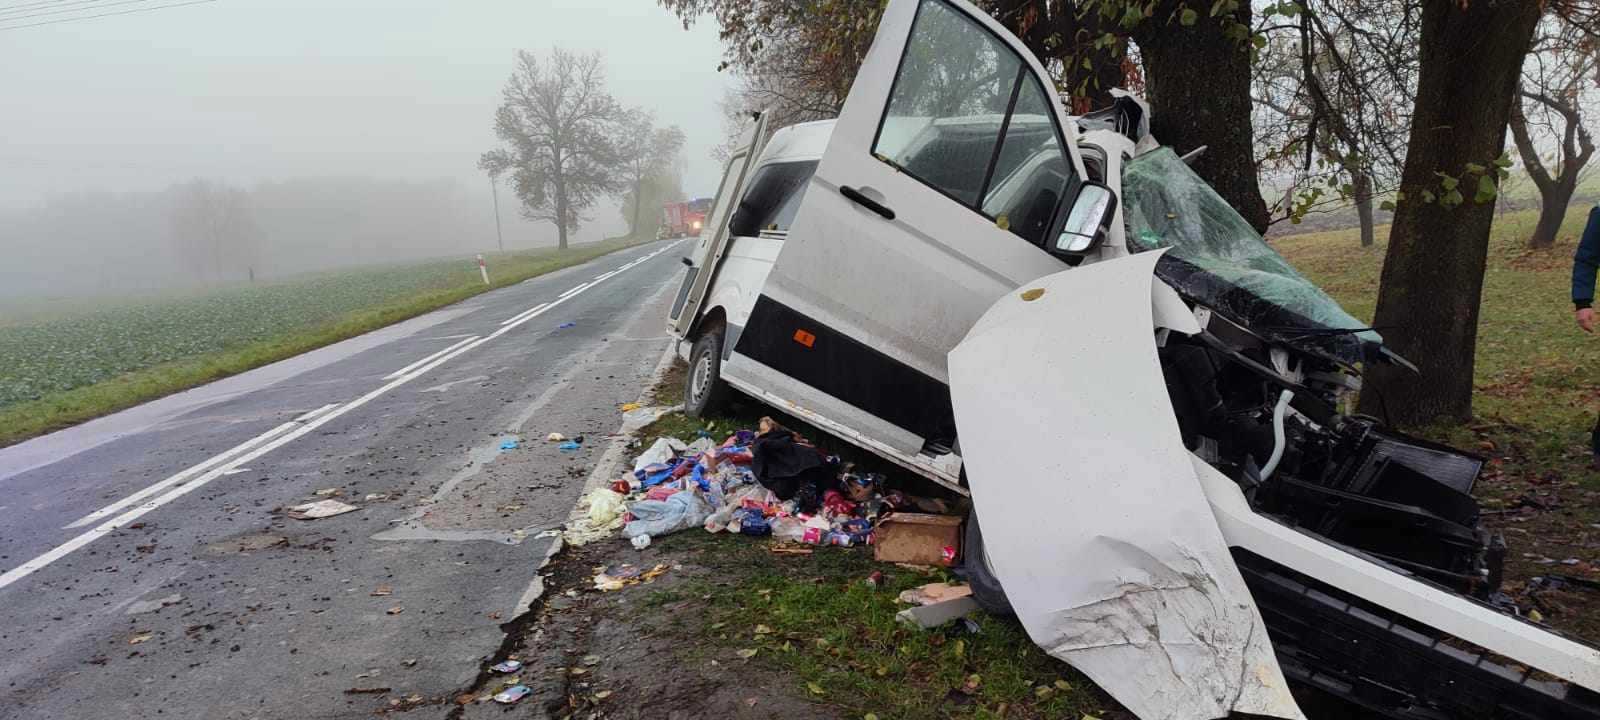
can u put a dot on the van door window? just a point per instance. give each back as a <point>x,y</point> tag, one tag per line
<point>1031,173</point>
<point>967,118</point>
<point>772,200</point>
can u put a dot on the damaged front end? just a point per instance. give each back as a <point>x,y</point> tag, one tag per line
<point>1205,487</point>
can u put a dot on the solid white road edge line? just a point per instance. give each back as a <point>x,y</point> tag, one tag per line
<point>279,440</point>
<point>425,360</point>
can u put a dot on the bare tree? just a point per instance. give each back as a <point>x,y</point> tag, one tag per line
<point>1558,83</point>
<point>646,152</point>
<point>560,129</point>
<point>1332,92</point>
<point>215,230</point>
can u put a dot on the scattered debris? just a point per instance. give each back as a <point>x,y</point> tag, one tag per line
<point>507,666</point>
<point>329,492</point>
<point>936,614</point>
<point>319,509</point>
<point>637,417</point>
<point>918,538</point>
<point>377,497</point>
<point>512,694</point>
<point>570,446</point>
<point>630,407</point>
<point>144,606</point>
<point>556,437</point>
<point>142,636</point>
<point>567,324</point>
<point>382,590</point>
<point>508,444</point>
<point>621,575</point>
<point>641,542</point>
<point>367,691</point>
<point>396,610</point>
<point>875,580</point>
<point>934,593</point>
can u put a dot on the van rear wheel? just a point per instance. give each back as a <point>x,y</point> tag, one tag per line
<point>705,392</point>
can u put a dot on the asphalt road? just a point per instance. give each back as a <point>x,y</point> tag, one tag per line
<point>147,569</point>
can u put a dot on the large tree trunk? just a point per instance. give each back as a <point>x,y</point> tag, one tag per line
<point>1433,270</point>
<point>1361,186</point>
<point>1198,86</point>
<point>1553,201</point>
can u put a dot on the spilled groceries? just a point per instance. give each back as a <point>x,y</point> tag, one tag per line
<point>770,482</point>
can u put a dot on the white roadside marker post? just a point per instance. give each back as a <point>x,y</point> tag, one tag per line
<point>483,269</point>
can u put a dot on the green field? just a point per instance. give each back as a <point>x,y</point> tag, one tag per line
<point>62,368</point>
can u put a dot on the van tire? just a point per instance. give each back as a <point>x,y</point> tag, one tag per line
<point>986,590</point>
<point>704,391</point>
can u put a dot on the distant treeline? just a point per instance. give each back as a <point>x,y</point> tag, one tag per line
<point>206,232</point>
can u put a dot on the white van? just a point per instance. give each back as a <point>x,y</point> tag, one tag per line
<point>1056,316</point>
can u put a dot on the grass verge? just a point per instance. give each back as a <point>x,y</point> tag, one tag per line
<point>60,371</point>
<point>814,618</point>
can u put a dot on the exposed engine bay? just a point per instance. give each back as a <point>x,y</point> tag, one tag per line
<point>1268,418</point>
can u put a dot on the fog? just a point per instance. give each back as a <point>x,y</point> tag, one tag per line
<point>350,130</point>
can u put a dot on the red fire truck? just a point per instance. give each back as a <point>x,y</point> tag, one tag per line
<point>684,219</point>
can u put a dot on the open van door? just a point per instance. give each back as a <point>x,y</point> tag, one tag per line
<point>714,236</point>
<point>947,168</point>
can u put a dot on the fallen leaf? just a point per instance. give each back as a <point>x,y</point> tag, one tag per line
<point>576,671</point>
<point>972,684</point>
<point>1042,692</point>
<point>814,688</point>
<point>1063,685</point>
<point>465,699</point>
<point>329,492</point>
<point>747,653</point>
<point>382,590</point>
<point>396,610</point>
<point>763,630</point>
<point>591,660</point>
<point>750,702</point>
<point>603,694</point>
<point>869,716</point>
<point>140,637</point>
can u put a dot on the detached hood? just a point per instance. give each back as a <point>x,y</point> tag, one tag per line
<point>1094,520</point>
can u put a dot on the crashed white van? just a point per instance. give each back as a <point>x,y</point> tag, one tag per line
<point>1057,316</point>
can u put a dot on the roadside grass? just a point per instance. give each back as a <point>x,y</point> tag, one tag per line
<point>814,618</point>
<point>62,369</point>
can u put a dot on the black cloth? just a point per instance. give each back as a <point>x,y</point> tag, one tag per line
<point>791,468</point>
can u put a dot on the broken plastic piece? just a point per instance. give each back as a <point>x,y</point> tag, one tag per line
<point>508,444</point>
<point>507,666</point>
<point>570,446</point>
<point>556,437</point>
<point>512,694</point>
<point>319,509</point>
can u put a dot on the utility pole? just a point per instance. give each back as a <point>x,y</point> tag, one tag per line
<point>494,192</point>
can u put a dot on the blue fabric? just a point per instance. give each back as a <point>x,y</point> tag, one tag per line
<point>1586,262</point>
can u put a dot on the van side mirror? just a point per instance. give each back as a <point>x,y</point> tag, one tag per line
<point>1087,220</point>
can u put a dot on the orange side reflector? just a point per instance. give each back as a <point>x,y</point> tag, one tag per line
<point>805,338</point>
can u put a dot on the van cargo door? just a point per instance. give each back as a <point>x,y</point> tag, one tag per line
<point>714,236</point>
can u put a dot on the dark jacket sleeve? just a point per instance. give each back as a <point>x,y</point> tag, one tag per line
<point>1586,262</point>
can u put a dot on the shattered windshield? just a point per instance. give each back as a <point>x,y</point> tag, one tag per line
<point>1219,261</point>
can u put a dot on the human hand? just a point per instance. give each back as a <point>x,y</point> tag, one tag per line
<point>1586,319</point>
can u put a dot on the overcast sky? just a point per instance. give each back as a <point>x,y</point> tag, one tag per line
<point>252,90</point>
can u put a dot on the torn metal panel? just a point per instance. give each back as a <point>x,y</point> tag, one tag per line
<point>1065,427</point>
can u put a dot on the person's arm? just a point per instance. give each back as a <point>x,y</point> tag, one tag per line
<point>1585,263</point>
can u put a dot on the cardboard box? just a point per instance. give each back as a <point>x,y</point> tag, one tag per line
<point>918,539</point>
